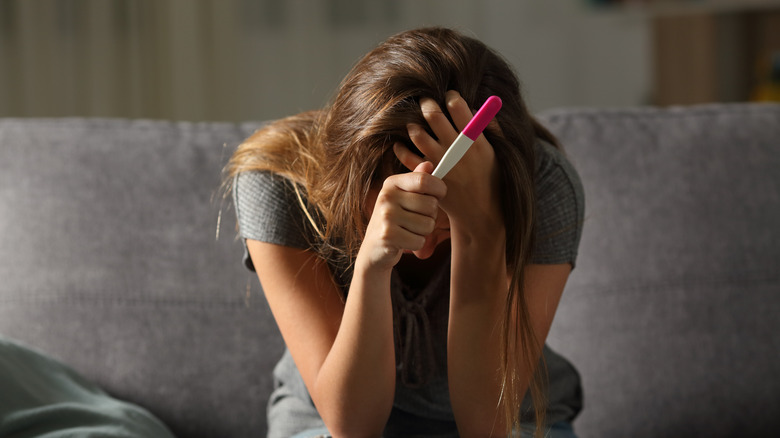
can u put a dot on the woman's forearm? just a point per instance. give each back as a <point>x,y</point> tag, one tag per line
<point>355,386</point>
<point>477,303</point>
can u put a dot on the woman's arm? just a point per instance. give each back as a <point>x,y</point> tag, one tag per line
<point>479,278</point>
<point>345,351</point>
<point>473,342</point>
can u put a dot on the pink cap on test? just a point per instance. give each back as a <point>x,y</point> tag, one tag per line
<point>481,119</point>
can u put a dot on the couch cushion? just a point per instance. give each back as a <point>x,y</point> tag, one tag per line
<point>109,261</point>
<point>672,313</point>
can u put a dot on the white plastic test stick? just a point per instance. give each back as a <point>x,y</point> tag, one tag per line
<point>468,136</point>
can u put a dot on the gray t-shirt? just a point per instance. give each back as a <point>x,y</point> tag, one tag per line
<point>268,210</point>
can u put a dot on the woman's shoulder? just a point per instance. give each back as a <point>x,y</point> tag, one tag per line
<point>555,172</point>
<point>269,208</point>
<point>560,206</point>
<point>552,162</point>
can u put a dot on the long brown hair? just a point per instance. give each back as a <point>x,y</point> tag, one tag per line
<point>335,155</point>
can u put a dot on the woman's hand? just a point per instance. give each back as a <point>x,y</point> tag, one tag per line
<point>472,202</point>
<point>479,274</point>
<point>403,217</point>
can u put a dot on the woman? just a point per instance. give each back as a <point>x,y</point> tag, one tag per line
<point>412,305</point>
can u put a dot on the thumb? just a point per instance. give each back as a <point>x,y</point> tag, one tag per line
<point>424,167</point>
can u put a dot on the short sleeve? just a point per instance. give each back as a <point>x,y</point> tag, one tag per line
<point>268,210</point>
<point>560,203</point>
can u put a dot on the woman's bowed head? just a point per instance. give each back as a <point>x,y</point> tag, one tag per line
<point>420,213</point>
<point>363,166</point>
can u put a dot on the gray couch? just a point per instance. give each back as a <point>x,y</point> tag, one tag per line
<point>110,261</point>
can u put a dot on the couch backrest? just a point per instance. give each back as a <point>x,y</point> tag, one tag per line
<point>109,261</point>
<point>673,311</point>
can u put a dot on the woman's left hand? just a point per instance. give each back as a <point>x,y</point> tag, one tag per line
<point>472,201</point>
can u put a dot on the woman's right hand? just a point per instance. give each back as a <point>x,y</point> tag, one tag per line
<point>403,215</point>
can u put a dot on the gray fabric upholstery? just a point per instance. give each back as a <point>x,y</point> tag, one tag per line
<point>673,312</point>
<point>109,262</point>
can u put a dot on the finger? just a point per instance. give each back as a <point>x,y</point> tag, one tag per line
<point>425,205</point>
<point>409,159</point>
<point>420,220</point>
<point>402,239</point>
<point>418,224</point>
<point>419,182</point>
<point>425,143</point>
<point>438,121</point>
<point>458,108</point>
<point>411,241</point>
<point>428,248</point>
<point>424,167</point>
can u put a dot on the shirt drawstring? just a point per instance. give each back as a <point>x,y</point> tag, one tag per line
<point>415,355</point>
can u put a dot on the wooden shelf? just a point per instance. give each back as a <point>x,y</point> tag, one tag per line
<point>687,7</point>
<point>712,51</point>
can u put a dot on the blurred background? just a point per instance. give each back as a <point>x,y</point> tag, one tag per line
<point>237,60</point>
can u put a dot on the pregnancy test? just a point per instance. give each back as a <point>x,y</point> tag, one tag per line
<point>468,136</point>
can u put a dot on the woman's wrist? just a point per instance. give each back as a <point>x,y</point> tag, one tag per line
<point>373,266</point>
<point>479,269</point>
<point>478,235</point>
